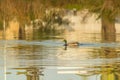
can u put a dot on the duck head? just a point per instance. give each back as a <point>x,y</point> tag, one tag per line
<point>65,41</point>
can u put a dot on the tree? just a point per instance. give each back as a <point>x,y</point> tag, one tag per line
<point>107,11</point>
<point>27,10</point>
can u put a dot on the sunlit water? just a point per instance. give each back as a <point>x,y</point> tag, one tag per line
<point>47,59</point>
<point>44,57</point>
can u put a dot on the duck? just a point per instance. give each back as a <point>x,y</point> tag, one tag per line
<point>74,44</point>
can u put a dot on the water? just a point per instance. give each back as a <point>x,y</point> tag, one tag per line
<point>44,58</point>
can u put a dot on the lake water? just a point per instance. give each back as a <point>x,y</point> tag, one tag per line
<point>43,57</point>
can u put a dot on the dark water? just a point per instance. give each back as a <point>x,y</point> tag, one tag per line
<point>43,57</point>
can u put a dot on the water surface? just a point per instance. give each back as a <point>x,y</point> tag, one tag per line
<point>43,57</point>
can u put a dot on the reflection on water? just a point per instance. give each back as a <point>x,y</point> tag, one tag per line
<point>41,56</point>
<point>46,59</point>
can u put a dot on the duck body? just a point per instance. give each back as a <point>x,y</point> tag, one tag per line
<point>71,44</point>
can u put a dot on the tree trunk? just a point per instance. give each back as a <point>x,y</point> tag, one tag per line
<point>108,22</point>
<point>108,30</point>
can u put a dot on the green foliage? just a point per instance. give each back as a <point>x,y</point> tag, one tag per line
<point>76,6</point>
<point>31,13</point>
<point>27,0</point>
<point>53,2</point>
